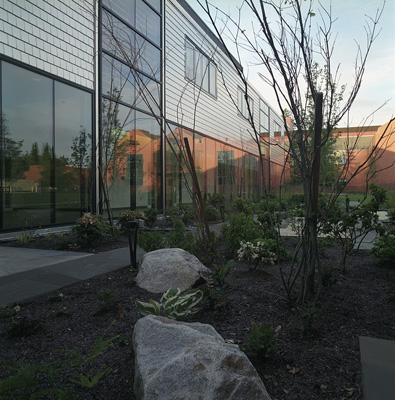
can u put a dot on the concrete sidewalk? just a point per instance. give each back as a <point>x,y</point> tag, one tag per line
<point>27,273</point>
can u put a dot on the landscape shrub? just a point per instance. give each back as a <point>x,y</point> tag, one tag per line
<point>384,249</point>
<point>212,214</point>
<point>179,237</point>
<point>295,200</point>
<point>241,227</point>
<point>130,215</point>
<point>256,252</point>
<point>241,206</point>
<point>90,229</point>
<point>151,215</point>
<point>151,241</point>
<point>391,215</point>
<point>261,340</point>
<point>216,200</point>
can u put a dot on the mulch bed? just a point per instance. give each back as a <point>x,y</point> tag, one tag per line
<point>317,355</point>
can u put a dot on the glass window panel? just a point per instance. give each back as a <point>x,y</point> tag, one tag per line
<point>200,161</point>
<point>148,58</point>
<point>117,80</point>
<point>148,95</point>
<point>176,191</point>
<point>27,147</point>
<point>73,152</point>
<point>117,124</point>
<point>213,80</point>
<point>201,71</point>
<point>155,4</point>
<point>148,22</point>
<point>145,162</point>
<point>125,9</point>
<point>189,61</point>
<point>211,165</point>
<point>118,39</point>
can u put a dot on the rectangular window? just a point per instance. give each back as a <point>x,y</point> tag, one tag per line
<point>200,69</point>
<point>45,149</point>
<point>242,104</point>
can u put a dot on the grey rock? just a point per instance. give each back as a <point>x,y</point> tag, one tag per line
<point>169,268</point>
<point>178,361</point>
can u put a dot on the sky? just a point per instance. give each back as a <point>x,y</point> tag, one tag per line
<point>378,85</point>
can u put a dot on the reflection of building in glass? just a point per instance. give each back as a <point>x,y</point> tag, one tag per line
<point>121,93</point>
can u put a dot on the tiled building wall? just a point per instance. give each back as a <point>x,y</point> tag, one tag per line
<point>54,36</point>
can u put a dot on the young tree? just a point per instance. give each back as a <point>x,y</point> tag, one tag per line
<point>288,46</point>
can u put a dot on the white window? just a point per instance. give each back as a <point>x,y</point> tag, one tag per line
<point>242,104</point>
<point>200,69</point>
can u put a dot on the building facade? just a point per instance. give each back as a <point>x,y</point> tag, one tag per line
<point>96,100</point>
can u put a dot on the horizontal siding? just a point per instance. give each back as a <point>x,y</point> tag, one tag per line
<point>56,37</point>
<point>217,118</point>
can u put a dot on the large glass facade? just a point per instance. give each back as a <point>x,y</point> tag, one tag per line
<point>219,168</point>
<point>46,148</point>
<point>131,112</point>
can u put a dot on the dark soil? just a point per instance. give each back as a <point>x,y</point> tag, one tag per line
<point>317,355</point>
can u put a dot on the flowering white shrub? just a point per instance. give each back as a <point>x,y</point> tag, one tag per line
<point>256,252</point>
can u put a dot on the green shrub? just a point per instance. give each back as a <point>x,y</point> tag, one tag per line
<point>241,227</point>
<point>391,215</point>
<point>216,199</point>
<point>295,200</point>
<point>212,214</point>
<point>384,249</point>
<point>151,215</point>
<point>90,229</point>
<point>130,215</point>
<point>174,304</point>
<point>255,252</point>
<point>261,340</point>
<point>241,206</point>
<point>180,238</point>
<point>150,241</point>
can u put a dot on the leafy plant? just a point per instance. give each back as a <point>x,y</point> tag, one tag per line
<point>180,238</point>
<point>173,304</point>
<point>391,215</point>
<point>309,314</point>
<point>60,312</point>
<point>384,249</point>
<point>56,298</point>
<point>150,241</point>
<point>130,215</point>
<point>241,227</point>
<point>256,252</point>
<point>151,215</point>
<point>108,298</point>
<point>216,200</point>
<point>349,229</point>
<point>25,237</point>
<point>241,206</point>
<point>217,285</point>
<point>90,229</point>
<point>212,214</point>
<point>261,340</point>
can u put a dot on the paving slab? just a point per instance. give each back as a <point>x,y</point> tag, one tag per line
<point>27,273</point>
<point>15,259</point>
<point>378,368</point>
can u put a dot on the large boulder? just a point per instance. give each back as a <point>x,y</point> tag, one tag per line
<point>169,268</point>
<point>177,361</point>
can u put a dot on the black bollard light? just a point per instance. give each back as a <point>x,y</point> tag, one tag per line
<point>222,212</point>
<point>132,228</point>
